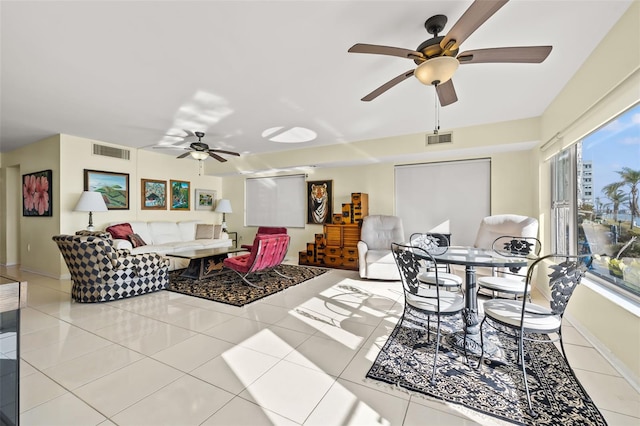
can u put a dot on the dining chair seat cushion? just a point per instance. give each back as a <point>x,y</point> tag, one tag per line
<point>445,279</point>
<point>504,284</point>
<point>537,319</point>
<point>426,300</point>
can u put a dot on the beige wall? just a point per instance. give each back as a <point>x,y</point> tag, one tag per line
<point>607,84</point>
<point>27,240</point>
<point>10,182</point>
<point>26,237</point>
<point>76,154</point>
<point>371,171</point>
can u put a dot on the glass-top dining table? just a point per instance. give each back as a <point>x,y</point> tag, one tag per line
<point>471,258</point>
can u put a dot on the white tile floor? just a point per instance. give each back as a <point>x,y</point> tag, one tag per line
<point>297,357</point>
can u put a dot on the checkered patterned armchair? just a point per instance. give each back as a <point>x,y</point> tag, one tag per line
<point>101,273</point>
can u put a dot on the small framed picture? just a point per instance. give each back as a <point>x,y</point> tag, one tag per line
<point>113,186</point>
<point>154,194</point>
<point>36,194</point>
<point>205,199</point>
<point>180,195</point>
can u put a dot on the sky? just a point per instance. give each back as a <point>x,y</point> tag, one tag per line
<point>612,147</point>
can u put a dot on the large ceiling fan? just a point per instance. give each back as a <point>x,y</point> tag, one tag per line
<point>437,58</point>
<point>201,151</point>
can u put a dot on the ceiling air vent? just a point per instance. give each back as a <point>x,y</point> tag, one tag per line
<point>109,151</point>
<point>440,138</point>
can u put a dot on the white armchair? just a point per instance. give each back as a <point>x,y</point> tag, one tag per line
<point>374,247</point>
<point>493,227</point>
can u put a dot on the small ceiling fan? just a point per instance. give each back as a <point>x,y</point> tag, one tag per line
<point>438,59</point>
<point>201,151</point>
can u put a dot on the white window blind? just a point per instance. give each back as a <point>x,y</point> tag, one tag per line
<point>276,201</point>
<point>448,197</point>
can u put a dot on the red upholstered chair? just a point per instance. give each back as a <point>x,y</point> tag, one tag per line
<point>267,252</point>
<point>266,230</point>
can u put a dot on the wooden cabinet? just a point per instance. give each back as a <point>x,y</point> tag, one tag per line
<point>354,211</point>
<point>338,248</point>
<point>342,235</point>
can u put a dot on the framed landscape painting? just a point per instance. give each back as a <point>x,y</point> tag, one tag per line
<point>113,186</point>
<point>180,195</point>
<point>36,194</point>
<point>205,199</point>
<point>154,194</point>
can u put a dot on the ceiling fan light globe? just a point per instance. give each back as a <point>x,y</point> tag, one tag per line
<point>436,70</point>
<point>199,155</point>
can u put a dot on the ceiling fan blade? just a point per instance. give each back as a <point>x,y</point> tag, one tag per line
<point>527,54</point>
<point>471,19</point>
<point>385,50</point>
<point>217,157</point>
<point>211,151</point>
<point>184,155</point>
<point>388,85</point>
<point>446,93</point>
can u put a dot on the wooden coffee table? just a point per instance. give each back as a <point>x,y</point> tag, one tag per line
<point>205,262</point>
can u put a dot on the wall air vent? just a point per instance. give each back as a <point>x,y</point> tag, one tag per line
<point>440,138</point>
<point>109,151</point>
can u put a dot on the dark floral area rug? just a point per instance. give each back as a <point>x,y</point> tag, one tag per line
<point>227,287</point>
<point>497,388</point>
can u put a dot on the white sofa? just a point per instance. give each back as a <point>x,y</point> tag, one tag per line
<point>167,238</point>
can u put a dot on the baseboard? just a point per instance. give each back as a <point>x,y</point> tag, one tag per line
<point>45,274</point>
<point>624,371</point>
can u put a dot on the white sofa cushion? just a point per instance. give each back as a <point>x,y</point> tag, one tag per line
<point>142,229</point>
<point>165,232</point>
<point>187,229</point>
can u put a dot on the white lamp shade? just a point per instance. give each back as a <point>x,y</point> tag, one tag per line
<point>437,70</point>
<point>199,155</point>
<point>91,202</point>
<point>224,206</point>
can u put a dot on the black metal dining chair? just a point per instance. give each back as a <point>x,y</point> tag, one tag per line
<point>429,301</point>
<point>509,281</point>
<point>526,321</point>
<point>434,243</point>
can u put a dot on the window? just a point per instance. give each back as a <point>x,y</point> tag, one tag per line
<point>276,201</point>
<point>595,187</point>
<point>458,216</point>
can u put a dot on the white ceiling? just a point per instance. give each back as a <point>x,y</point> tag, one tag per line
<point>132,72</point>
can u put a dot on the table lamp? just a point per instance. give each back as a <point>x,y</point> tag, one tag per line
<point>224,206</point>
<point>91,202</point>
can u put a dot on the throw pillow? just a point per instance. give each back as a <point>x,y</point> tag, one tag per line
<point>204,232</point>
<point>136,240</point>
<point>120,231</point>
<point>217,230</point>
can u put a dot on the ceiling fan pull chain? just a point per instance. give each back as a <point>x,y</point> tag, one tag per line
<point>437,110</point>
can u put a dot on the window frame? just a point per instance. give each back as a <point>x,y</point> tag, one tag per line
<point>564,201</point>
